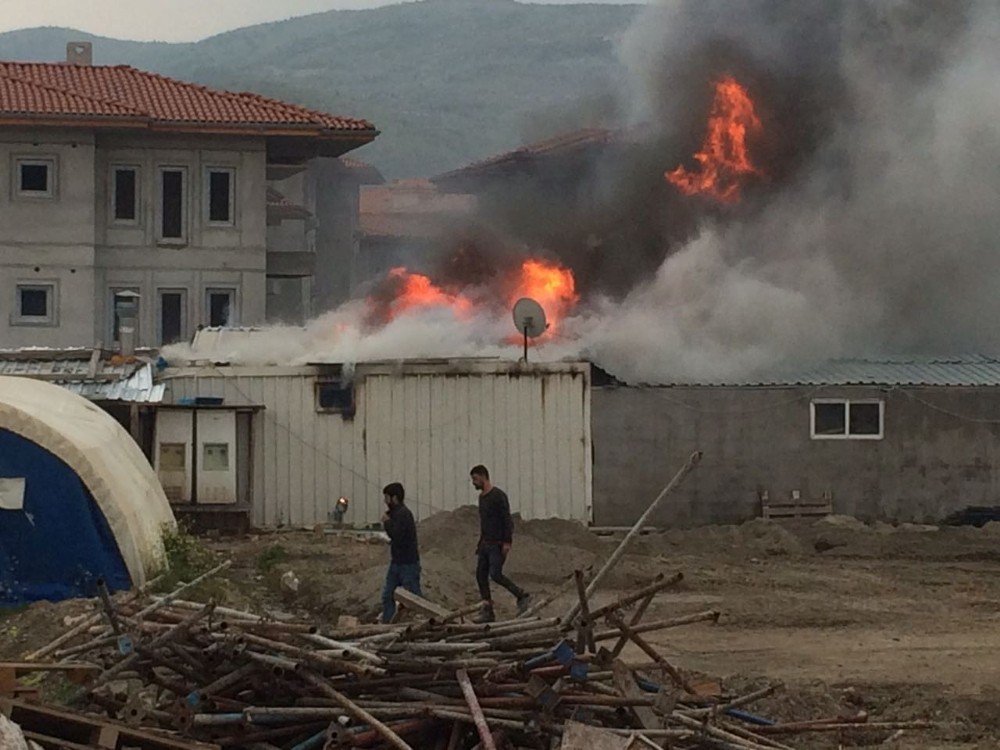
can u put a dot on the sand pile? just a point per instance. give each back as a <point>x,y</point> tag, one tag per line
<point>754,538</point>
<point>544,553</point>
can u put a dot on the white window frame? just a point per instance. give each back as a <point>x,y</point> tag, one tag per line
<point>51,318</point>
<point>185,188</point>
<point>113,193</point>
<point>847,402</point>
<point>207,197</point>
<point>114,291</point>
<point>49,162</point>
<point>185,327</point>
<point>234,312</point>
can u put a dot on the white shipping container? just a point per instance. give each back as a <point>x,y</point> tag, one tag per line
<point>422,423</point>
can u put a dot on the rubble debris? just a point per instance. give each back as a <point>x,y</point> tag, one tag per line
<point>196,675</point>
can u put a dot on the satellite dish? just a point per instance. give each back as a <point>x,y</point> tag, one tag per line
<point>529,317</point>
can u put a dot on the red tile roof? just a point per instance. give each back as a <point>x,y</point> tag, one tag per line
<point>67,91</point>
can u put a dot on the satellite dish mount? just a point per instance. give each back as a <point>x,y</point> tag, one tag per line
<point>529,318</point>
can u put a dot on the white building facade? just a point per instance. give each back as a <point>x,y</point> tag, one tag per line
<point>132,201</point>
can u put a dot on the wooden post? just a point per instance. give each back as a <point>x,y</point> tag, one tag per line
<point>686,469</point>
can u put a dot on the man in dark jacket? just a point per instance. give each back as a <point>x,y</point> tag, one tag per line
<point>496,533</point>
<point>404,565</point>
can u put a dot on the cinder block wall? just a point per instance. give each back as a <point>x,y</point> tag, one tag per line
<point>940,452</point>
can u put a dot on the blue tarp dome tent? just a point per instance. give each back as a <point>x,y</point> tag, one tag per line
<point>78,500</point>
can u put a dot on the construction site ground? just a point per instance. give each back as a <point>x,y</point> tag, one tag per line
<point>901,622</point>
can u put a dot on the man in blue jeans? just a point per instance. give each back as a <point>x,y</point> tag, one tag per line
<point>496,534</point>
<point>404,565</point>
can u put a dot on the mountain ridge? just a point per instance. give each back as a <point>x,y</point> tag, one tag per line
<point>448,82</point>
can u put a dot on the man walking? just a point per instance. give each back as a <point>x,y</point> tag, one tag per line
<point>496,533</point>
<point>404,564</point>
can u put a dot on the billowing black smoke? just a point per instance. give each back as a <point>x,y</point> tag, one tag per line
<point>875,230</point>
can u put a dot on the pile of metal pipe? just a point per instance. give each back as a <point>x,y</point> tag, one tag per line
<point>235,679</point>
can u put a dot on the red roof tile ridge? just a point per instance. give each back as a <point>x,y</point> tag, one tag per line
<point>64,91</point>
<point>112,78</point>
<point>282,107</point>
<point>315,113</point>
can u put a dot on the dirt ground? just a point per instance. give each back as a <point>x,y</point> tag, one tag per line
<point>903,623</point>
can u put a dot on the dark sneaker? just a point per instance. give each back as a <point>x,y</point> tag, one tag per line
<point>485,615</point>
<point>523,604</point>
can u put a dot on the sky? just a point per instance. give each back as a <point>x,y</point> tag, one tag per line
<point>172,20</point>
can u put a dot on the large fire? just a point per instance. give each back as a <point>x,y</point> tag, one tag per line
<point>724,159</point>
<point>404,292</point>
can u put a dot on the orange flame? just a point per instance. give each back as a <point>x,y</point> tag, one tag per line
<point>549,284</point>
<point>724,158</point>
<point>417,291</point>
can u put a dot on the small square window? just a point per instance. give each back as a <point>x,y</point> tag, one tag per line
<point>34,304</point>
<point>865,419</point>
<point>215,457</point>
<point>845,419</point>
<point>221,307</point>
<point>334,397</point>
<point>830,418</point>
<point>34,178</point>
<point>173,457</point>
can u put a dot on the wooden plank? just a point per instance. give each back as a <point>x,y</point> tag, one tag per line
<point>795,510</point>
<point>107,734</point>
<point>47,741</point>
<point>419,604</point>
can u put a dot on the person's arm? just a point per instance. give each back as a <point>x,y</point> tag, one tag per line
<point>508,524</point>
<point>409,529</point>
<point>390,526</point>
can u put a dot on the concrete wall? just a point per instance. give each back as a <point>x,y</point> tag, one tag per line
<point>69,240</point>
<point>935,457</point>
<point>48,240</point>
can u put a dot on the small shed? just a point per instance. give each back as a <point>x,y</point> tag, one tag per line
<point>78,500</point>
<point>314,433</point>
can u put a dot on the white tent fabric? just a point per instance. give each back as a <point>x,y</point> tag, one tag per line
<point>106,459</point>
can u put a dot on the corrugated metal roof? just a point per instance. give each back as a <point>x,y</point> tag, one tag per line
<point>130,381</point>
<point>71,369</point>
<point>970,370</point>
<point>959,370</point>
<point>139,388</point>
